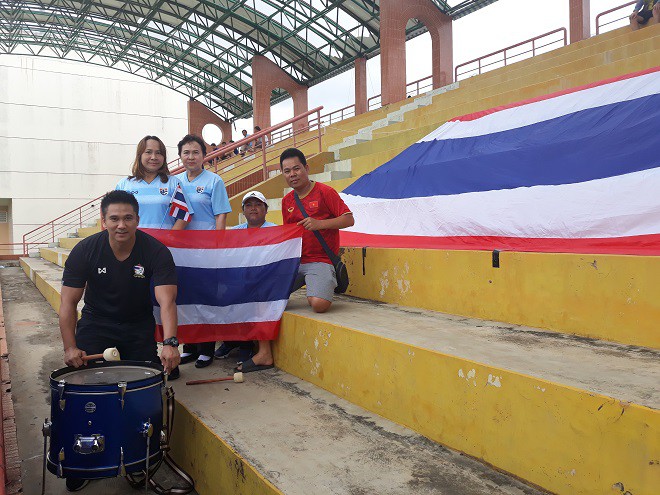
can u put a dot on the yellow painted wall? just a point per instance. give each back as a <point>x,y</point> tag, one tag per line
<point>608,297</point>
<point>565,440</point>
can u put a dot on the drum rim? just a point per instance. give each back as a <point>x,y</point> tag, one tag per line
<point>130,385</point>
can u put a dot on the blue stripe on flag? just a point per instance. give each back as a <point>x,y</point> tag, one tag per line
<point>226,286</point>
<point>591,144</point>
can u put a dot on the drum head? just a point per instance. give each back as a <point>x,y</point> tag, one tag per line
<point>107,376</point>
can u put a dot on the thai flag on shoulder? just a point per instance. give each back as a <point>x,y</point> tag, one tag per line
<point>178,205</point>
<point>232,284</point>
<point>574,171</point>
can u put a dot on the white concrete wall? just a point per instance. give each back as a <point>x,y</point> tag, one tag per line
<point>68,132</point>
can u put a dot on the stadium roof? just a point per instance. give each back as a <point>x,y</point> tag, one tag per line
<point>203,48</point>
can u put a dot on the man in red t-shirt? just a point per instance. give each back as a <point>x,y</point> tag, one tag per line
<point>327,213</point>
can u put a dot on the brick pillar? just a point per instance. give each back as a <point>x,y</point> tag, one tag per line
<point>361,105</point>
<point>267,76</point>
<point>199,115</point>
<point>394,15</point>
<point>580,20</point>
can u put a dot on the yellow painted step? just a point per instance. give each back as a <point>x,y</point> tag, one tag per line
<point>571,416</point>
<point>69,242</point>
<point>87,231</point>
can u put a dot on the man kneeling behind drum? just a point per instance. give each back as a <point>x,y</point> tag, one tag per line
<point>118,265</point>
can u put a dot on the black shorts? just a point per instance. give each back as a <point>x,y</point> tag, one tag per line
<point>645,15</point>
<point>135,341</point>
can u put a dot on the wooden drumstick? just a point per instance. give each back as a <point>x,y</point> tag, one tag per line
<point>110,354</point>
<point>238,378</point>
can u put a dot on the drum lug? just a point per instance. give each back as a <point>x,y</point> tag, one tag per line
<point>122,392</point>
<point>60,470</point>
<point>60,388</point>
<point>45,429</point>
<point>122,468</point>
<point>147,429</point>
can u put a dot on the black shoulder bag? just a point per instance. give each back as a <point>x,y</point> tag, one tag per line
<point>340,267</point>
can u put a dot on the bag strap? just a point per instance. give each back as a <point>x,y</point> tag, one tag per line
<point>333,257</point>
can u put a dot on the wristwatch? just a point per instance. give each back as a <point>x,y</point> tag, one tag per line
<point>173,341</point>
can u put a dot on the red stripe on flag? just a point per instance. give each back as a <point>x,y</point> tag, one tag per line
<point>477,115</point>
<point>215,239</point>
<point>642,245</point>
<point>194,334</point>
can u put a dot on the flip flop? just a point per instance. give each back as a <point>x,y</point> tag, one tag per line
<point>249,366</point>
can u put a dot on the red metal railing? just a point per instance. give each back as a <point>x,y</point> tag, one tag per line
<point>607,12</point>
<point>504,56</point>
<point>259,171</point>
<point>417,88</point>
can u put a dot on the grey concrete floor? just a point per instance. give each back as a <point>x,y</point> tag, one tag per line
<point>35,350</point>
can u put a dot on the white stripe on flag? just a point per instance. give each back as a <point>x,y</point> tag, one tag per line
<point>540,111</point>
<point>199,314</point>
<point>624,205</point>
<point>237,257</point>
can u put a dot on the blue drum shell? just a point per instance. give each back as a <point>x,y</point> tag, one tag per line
<point>96,409</point>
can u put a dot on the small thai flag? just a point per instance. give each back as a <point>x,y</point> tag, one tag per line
<point>178,205</point>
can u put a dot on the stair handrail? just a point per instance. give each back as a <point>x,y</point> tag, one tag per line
<point>504,50</point>
<point>47,233</point>
<point>614,9</point>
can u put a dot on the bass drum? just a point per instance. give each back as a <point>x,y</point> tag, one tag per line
<point>104,417</point>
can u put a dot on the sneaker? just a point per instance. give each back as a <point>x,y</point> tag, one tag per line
<point>225,349</point>
<point>76,484</point>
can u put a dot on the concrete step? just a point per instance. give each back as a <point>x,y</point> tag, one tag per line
<point>328,176</point>
<point>68,242</point>
<point>340,166</point>
<point>281,446</point>
<point>87,231</point>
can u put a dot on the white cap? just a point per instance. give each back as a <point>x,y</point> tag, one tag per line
<point>254,194</point>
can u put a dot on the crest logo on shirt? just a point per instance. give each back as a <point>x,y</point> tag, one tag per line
<point>138,271</point>
<point>290,209</point>
<point>314,204</point>
<point>200,189</point>
<point>102,270</point>
<point>163,191</point>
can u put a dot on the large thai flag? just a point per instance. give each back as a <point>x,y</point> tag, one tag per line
<point>574,171</point>
<point>232,284</point>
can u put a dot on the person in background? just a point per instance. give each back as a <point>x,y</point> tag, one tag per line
<point>210,202</point>
<point>247,148</point>
<point>644,11</point>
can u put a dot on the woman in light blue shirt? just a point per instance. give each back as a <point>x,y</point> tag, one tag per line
<point>152,185</point>
<point>209,199</point>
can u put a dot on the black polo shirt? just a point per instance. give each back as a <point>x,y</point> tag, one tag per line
<point>118,291</point>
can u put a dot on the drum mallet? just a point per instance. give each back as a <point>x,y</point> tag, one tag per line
<point>110,354</point>
<point>238,378</point>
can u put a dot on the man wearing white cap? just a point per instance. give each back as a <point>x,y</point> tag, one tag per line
<point>255,208</point>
